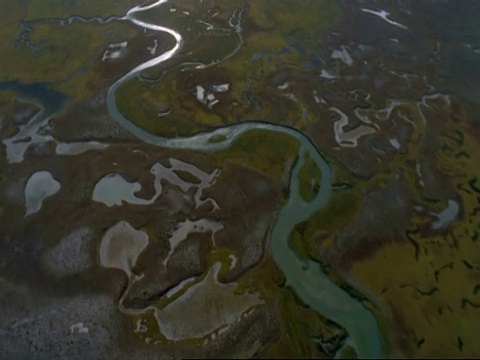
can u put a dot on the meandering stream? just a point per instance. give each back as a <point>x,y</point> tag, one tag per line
<point>305,277</point>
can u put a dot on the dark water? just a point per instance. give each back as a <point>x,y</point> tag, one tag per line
<point>51,100</point>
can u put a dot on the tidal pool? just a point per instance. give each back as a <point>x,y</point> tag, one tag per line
<point>204,308</point>
<point>113,189</point>
<point>446,216</point>
<point>40,186</point>
<point>75,148</point>
<point>188,227</point>
<point>121,245</point>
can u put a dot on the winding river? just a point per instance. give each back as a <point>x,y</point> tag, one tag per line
<point>304,276</point>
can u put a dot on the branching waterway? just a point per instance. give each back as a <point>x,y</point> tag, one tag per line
<point>304,276</point>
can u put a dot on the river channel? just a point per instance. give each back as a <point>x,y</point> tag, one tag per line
<point>304,276</point>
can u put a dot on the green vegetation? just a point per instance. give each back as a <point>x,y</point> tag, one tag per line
<point>429,285</point>
<point>51,53</point>
<point>309,178</point>
<point>39,9</point>
<point>264,151</point>
<point>340,210</point>
<point>142,102</point>
<point>296,243</point>
<point>289,32</point>
<point>217,139</point>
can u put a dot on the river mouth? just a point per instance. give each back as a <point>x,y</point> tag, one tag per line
<point>299,177</point>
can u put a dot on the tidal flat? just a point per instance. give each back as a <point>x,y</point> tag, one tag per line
<point>239,179</point>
